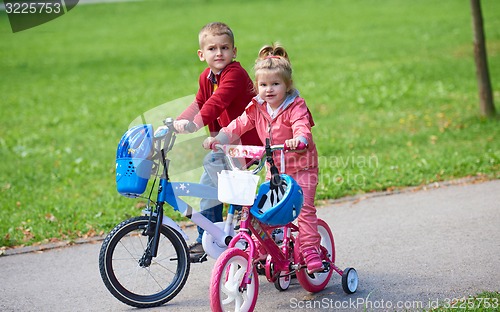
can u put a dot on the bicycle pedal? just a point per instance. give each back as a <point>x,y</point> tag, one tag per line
<point>326,266</point>
<point>326,269</point>
<point>200,259</point>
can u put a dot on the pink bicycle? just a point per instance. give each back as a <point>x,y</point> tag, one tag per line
<point>266,228</point>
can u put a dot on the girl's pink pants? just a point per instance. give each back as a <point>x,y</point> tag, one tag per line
<point>307,220</point>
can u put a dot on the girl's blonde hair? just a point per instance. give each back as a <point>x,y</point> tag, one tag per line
<point>274,58</point>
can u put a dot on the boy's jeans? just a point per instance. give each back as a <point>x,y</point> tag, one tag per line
<point>211,208</point>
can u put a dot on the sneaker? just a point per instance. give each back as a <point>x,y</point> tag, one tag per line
<point>196,248</point>
<point>196,252</point>
<point>313,260</point>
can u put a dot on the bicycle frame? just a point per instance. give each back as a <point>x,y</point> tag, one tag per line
<point>234,283</point>
<point>279,255</point>
<point>142,262</point>
<point>170,193</point>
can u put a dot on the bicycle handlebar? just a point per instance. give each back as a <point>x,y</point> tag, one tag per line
<point>253,151</point>
<point>164,137</point>
<point>250,151</point>
<point>190,127</point>
<point>167,135</point>
<point>169,127</point>
<point>302,146</point>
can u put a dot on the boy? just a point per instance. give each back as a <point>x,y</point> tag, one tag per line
<point>225,89</point>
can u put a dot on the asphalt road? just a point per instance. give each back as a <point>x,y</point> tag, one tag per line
<point>411,250</point>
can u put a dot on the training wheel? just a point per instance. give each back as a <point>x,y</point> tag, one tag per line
<point>350,280</point>
<point>283,282</point>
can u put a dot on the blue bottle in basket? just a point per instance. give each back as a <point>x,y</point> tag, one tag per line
<point>133,163</point>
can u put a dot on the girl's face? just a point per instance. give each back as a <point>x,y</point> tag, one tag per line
<point>272,88</point>
<point>217,51</point>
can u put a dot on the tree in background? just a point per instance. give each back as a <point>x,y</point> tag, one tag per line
<point>483,77</point>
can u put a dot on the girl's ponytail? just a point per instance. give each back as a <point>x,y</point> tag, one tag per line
<point>273,50</point>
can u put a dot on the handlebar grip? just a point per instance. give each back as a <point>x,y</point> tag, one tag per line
<point>161,132</point>
<point>215,146</point>
<point>190,127</point>
<point>300,147</point>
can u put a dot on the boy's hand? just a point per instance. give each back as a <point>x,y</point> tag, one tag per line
<point>180,126</point>
<point>209,142</point>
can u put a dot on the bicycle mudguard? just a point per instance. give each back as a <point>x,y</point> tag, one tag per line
<point>171,223</point>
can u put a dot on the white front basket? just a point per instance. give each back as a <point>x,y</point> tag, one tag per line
<point>237,187</point>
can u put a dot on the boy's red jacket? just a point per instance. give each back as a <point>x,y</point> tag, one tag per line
<point>217,109</point>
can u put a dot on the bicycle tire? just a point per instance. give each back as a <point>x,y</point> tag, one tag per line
<point>227,275</point>
<point>143,286</point>
<point>317,281</point>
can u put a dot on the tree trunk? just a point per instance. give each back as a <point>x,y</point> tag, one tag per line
<point>483,77</point>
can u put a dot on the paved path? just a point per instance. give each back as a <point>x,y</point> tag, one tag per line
<point>411,250</point>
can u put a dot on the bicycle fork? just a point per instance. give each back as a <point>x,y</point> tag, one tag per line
<point>243,235</point>
<point>153,234</point>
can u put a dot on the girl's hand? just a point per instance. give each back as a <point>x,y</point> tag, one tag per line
<point>209,142</point>
<point>294,143</point>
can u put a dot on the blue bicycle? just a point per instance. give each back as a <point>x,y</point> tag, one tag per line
<point>144,261</point>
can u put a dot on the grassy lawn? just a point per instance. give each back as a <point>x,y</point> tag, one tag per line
<point>391,85</point>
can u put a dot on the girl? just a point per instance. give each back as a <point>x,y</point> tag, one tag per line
<point>279,113</point>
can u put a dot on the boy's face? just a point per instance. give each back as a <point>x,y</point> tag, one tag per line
<point>218,51</point>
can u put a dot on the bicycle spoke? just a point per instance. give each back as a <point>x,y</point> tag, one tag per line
<point>130,275</point>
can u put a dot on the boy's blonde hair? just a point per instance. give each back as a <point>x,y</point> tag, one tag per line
<point>274,58</point>
<point>215,29</point>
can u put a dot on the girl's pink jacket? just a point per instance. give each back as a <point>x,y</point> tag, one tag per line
<point>294,120</point>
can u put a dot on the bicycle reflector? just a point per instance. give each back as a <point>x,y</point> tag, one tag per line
<point>133,163</point>
<point>277,206</point>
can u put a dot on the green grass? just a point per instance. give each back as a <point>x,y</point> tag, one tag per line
<point>391,85</point>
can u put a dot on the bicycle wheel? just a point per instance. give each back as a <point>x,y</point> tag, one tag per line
<point>140,283</point>
<point>317,281</point>
<point>282,283</point>
<point>229,270</point>
<point>350,281</point>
